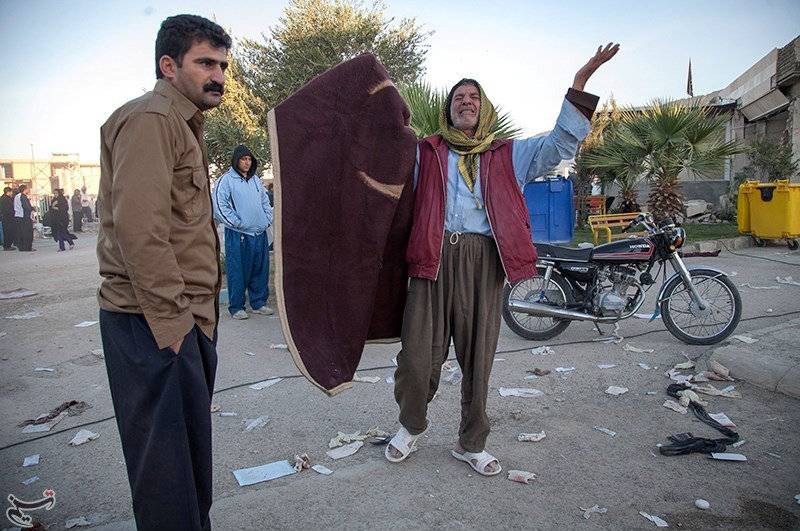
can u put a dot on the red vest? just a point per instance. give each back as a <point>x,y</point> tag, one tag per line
<point>504,203</point>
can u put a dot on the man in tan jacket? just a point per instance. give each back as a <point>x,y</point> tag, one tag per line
<point>159,254</point>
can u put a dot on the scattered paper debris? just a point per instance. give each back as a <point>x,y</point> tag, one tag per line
<point>737,444</point>
<point>675,376</point>
<point>30,480</point>
<point>390,379</point>
<point>322,469</point>
<point>725,456</point>
<point>647,316</point>
<point>700,377</point>
<point>345,451</point>
<point>748,285</point>
<point>728,389</point>
<point>686,365</point>
<point>615,390</point>
<point>453,377</point>
<point>301,462</point>
<point>769,310</point>
<point>81,521</point>
<point>28,315</point>
<point>733,273</point>
<point>797,499</point>
<point>687,395</point>
<point>536,371</point>
<point>771,454</point>
<point>615,337</point>
<point>674,406</point>
<point>702,504</point>
<point>499,359</point>
<point>345,438</point>
<point>215,408</point>
<point>708,389</point>
<point>543,351</point>
<point>257,474</point>
<point>266,383</point>
<point>606,431</point>
<point>521,476</point>
<point>531,437</point>
<point>630,348</point>
<point>366,379</point>
<point>644,366</point>
<point>248,353</point>
<point>650,393</point>
<point>254,424</point>
<point>228,414</point>
<point>279,346</point>
<point>655,519</point>
<point>745,339</point>
<point>723,419</point>
<point>787,280</point>
<point>31,460</point>
<point>565,369</point>
<point>43,369</point>
<point>524,392</point>
<point>449,366</point>
<point>84,324</point>
<point>98,352</point>
<point>83,436</point>
<point>595,509</point>
<point>721,371</point>
<point>606,365</point>
<point>18,293</point>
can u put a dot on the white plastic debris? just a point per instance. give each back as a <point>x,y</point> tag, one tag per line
<point>499,359</point>
<point>727,389</point>
<point>565,369</point>
<point>748,285</point>
<point>266,383</point>
<point>43,369</point>
<point>524,392</point>
<point>723,419</point>
<point>647,316</point>
<point>345,451</point>
<point>279,346</point>
<point>543,351</point>
<point>390,379</point>
<point>531,437</point>
<point>248,353</point>
<point>83,436</point>
<point>31,460</point>
<point>322,469</point>
<point>745,339</point>
<point>769,310</point>
<point>787,280</point>
<point>797,499</point>
<point>521,476</point>
<point>27,315</point>
<point>346,438</point>
<point>606,431</point>
<point>702,504</point>
<point>84,324</point>
<point>81,521</point>
<point>30,480</point>
<point>595,509</point>
<point>655,519</point>
<point>686,365</point>
<point>675,376</point>
<point>674,406</point>
<point>650,393</point>
<point>615,390</point>
<point>737,444</point>
<point>630,348</point>
<point>257,474</point>
<point>366,379</point>
<point>645,366</point>
<point>453,377</point>
<point>254,424</point>
<point>606,365</point>
<point>776,456</point>
<point>17,293</point>
<point>725,456</point>
<point>687,396</point>
<point>228,414</point>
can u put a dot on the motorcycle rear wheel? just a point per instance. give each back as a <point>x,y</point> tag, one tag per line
<point>532,327</point>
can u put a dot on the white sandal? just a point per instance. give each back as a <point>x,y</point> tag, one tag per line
<point>404,443</point>
<point>478,461</point>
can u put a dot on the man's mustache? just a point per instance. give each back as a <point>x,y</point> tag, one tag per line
<point>213,87</point>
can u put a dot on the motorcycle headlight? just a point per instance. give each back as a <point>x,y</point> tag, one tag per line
<point>677,239</point>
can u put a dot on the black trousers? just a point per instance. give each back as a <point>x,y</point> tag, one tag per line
<point>9,226</point>
<point>24,234</point>
<point>162,402</point>
<point>77,220</point>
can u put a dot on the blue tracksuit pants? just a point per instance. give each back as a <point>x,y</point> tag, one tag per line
<point>246,268</point>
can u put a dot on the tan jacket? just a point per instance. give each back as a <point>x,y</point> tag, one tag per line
<point>158,249</point>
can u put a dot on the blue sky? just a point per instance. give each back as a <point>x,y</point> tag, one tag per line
<point>71,63</point>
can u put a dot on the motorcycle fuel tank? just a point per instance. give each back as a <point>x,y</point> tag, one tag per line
<point>624,251</point>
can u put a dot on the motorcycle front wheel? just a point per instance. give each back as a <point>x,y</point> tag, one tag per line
<point>537,328</point>
<point>684,318</point>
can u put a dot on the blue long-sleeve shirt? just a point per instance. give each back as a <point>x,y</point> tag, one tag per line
<point>242,204</point>
<point>532,157</point>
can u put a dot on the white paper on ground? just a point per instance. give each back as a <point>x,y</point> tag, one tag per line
<point>366,379</point>
<point>257,474</point>
<point>345,451</point>
<point>254,424</point>
<point>615,390</point>
<point>43,369</point>
<point>655,519</point>
<point>745,339</point>
<point>80,521</point>
<point>595,509</point>
<point>30,480</point>
<point>543,351</point>
<point>606,431</point>
<point>31,460</point>
<point>748,285</point>
<point>279,346</point>
<point>322,469</point>
<point>266,383</point>
<point>725,456</point>
<point>28,315</point>
<point>787,280</point>
<point>19,293</point>
<point>83,436</point>
<point>645,366</point>
<point>565,369</point>
<point>45,426</point>
<point>531,437</point>
<point>606,366</point>
<point>723,419</point>
<point>84,324</point>
<point>630,348</point>
<point>521,476</point>
<point>524,392</point>
<point>674,406</point>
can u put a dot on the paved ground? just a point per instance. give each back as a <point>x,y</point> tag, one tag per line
<point>576,465</point>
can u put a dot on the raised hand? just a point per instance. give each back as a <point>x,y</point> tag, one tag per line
<point>603,55</point>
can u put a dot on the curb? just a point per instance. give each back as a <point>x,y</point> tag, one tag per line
<point>710,246</point>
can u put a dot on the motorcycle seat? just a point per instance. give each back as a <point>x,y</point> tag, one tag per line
<point>556,252</point>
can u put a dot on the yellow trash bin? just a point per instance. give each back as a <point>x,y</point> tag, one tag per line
<point>770,210</point>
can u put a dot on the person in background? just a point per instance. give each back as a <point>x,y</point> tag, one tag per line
<point>86,206</point>
<point>23,210</point>
<point>58,221</point>
<point>77,212</point>
<point>7,217</point>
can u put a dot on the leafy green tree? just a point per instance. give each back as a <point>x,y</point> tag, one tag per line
<point>315,35</point>
<point>426,103</point>
<point>660,142</point>
<point>770,161</point>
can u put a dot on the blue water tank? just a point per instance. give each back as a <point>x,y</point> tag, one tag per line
<point>551,210</point>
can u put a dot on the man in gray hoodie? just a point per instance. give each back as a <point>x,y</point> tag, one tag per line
<point>242,205</point>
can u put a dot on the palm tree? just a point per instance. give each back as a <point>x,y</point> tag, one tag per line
<point>658,144</point>
<point>426,103</point>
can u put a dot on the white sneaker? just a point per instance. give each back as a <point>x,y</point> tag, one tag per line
<point>264,310</point>
<point>241,314</point>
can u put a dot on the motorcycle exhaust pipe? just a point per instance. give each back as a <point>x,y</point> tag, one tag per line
<point>545,310</point>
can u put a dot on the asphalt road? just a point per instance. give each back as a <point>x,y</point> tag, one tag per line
<point>576,466</point>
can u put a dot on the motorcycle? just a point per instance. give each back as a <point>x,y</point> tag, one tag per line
<point>606,284</point>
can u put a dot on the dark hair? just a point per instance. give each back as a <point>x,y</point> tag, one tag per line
<point>22,188</point>
<point>449,101</point>
<point>6,189</point>
<point>177,34</point>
